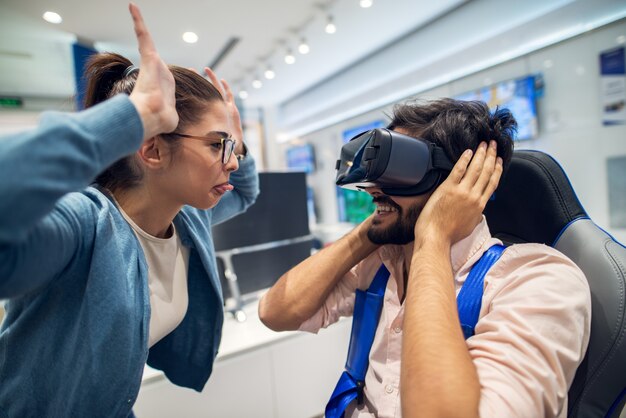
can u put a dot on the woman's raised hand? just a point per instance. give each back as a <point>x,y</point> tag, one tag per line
<point>231,108</point>
<point>153,95</point>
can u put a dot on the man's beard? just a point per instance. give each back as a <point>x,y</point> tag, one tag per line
<point>402,231</point>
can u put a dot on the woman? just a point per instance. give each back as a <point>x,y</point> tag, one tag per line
<point>101,279</point>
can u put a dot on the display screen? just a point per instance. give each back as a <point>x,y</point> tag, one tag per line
<point>348,134</point>
<point>301,158</point>
<point>279,213</point>
<point>354,206</point>
<point>519,96</point>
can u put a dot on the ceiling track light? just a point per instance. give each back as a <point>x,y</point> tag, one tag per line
<point>289,57</point>
<point>330,26</point>
<point>52,17</point>
<point>269,73</point>
<point>303,48</point>
<point>190,37</point>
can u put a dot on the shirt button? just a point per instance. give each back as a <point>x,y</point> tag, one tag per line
<point>389,389</point>
<point>397,330</point>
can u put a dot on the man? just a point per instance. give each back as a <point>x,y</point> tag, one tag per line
<point>534,321</point>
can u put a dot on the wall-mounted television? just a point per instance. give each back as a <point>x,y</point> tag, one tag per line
<point>519,96</point>
<point>354,206</point>
<point>301,158</point>
<point>348,134</point>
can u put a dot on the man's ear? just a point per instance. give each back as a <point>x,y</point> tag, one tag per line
<point>153,153</point>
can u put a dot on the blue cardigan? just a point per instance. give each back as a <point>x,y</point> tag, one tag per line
<point>74,340</point>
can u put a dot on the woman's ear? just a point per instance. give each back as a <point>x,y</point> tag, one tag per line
<point>153,153</point>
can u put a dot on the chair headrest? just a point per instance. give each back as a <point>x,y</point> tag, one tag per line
<point>534,201</point>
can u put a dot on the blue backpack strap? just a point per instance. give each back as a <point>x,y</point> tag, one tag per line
<point>351,382</point>
<point>379,282</point>
<point>469,299</point>
<point>367,308</point>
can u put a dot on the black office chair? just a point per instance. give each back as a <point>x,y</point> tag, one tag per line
<point>535,202</point>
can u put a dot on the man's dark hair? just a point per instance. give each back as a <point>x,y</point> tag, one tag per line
<point>456,125</point>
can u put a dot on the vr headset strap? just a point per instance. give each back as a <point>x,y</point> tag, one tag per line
<point>367,308</point>
<point>440,160</point>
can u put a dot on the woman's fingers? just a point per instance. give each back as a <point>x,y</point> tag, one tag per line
<point>214,80</point>
<point>229,94</point>
<point>146,45</point>
<point>153,94</point>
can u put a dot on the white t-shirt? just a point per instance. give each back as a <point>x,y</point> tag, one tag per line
<point>168,262</point>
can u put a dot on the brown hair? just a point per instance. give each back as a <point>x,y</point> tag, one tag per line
<point>106,76</point>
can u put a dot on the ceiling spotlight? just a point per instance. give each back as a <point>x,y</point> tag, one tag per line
<point>52,17</point>
<point>257,83</point>
<point>330,26</point>
<point>365,3</point>
<point>303,48</point>
<point>289,58</point>
<point>269,73</point>
<point>621,39</point>
<point>243,95</point>
<point>190,37</point>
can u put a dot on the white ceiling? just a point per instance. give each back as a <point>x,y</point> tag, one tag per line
<point>35,58</point>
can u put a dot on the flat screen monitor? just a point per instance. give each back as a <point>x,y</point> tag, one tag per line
<point>280,212</point>
<point>260,269</point>
<point>301,158</point>
<point>519,96</point>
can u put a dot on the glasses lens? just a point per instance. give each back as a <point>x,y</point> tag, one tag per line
<point>228,147</point>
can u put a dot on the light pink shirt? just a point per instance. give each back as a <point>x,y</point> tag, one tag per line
<point>531,336</point>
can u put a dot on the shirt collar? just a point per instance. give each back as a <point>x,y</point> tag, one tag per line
<point>467,251</point>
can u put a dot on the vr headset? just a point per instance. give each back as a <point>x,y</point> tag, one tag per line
<point>398,164</point>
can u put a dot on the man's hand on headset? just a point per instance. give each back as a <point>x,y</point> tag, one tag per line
<point>456,206</point>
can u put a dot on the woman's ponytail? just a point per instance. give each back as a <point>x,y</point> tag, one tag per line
<point>106,77</point>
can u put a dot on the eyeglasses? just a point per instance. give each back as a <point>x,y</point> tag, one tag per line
<point>225,142</point>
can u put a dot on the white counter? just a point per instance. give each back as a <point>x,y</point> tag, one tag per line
<point>258,373</point>
<point>237,338</point>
